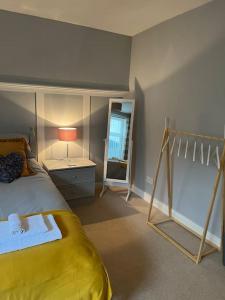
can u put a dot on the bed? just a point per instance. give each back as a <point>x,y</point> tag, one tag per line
<point>31,194</point>
<point>66,269</point>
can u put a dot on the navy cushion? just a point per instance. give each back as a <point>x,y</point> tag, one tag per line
<point>11,167</point>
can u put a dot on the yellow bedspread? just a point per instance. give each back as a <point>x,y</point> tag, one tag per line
<point>61,270</point>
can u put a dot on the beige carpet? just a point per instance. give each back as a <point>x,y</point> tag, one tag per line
<point>141,264</point>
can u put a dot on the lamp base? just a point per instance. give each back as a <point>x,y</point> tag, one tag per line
<point>67,151</point>
<point>69,162</point>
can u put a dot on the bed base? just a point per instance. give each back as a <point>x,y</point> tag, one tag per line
<point>188,253</point>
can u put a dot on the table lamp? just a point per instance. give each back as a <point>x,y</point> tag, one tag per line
<point>67,134</point>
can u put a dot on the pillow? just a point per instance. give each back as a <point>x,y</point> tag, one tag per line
<point>11,167</point>
<point>19,146</point>
<point>9,136</point>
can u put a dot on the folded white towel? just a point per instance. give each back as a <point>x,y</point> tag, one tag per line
<point>15,224</point>
<point>25,240</point>
<point>35,224</point>
<point>28,226</point>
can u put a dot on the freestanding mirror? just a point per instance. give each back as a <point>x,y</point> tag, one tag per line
<point>118,145</point>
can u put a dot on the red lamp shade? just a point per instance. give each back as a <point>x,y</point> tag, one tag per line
<point>67,134</point>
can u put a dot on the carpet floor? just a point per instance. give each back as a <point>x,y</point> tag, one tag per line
<point>141,264</point>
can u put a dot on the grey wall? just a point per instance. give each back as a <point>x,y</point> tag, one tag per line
<point>178,70</point>
<point>17,114</point>
<point>36,50</point>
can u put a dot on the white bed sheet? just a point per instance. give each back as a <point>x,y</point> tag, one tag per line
<point>30,194</point>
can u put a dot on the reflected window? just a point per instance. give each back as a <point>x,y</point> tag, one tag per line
<point>118,136</point>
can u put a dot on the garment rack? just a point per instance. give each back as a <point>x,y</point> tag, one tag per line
<point>166,146</point>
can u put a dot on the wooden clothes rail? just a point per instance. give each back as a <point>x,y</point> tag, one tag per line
<point>166,146</point>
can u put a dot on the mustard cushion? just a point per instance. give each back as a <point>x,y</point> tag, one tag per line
<point>18,145</point>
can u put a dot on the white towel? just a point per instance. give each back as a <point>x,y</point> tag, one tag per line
<point>35,224</point>
<point>16,225</point>
<point>31,225</point>
<point>25,240</point>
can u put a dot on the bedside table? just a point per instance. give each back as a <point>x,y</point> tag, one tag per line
<point>75,178</point>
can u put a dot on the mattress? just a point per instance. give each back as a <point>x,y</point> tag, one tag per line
<point>27,195</point>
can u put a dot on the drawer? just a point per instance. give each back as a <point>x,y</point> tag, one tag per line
<point>75,191</point>
<point>72,176</point>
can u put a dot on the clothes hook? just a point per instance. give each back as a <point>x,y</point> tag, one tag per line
<point>194,152</point>
<point>179,146</point>
<point>202,154</point>
<point>174,140</point>
<point>186,149</point>
<point>217,157</point>
<point>208,156</point>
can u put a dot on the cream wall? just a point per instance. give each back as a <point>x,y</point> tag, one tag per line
<point>46,108</point>
<point>63,111</point>
<point>17,111</point>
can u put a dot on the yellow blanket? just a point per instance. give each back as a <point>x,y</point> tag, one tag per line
<point>61,270</point>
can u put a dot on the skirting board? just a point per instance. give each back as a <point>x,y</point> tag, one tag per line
<point>181,218</point>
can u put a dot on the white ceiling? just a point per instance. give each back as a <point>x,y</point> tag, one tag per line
<point>127,17</point>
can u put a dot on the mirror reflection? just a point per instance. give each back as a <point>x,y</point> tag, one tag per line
<point>118,140</point>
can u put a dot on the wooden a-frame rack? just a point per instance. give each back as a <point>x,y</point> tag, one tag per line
<point>166,146</point>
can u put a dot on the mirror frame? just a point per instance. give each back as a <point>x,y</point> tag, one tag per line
<point>112,181</point>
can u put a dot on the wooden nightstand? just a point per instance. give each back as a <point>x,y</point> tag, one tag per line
<point>74,178</point>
